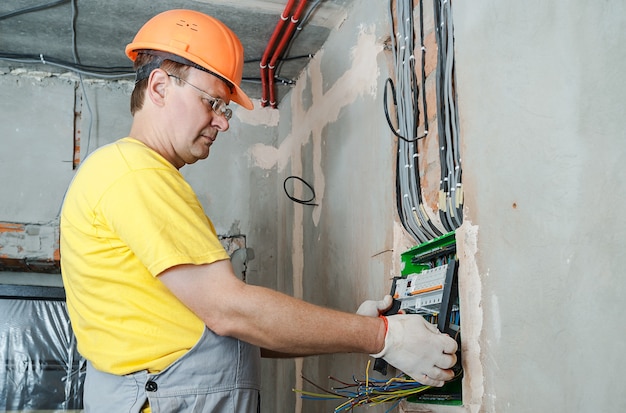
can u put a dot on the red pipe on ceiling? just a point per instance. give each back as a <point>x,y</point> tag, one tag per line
<point>281,46</point>
<point>270,47</point>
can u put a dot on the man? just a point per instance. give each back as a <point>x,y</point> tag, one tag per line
<point>157,310</point>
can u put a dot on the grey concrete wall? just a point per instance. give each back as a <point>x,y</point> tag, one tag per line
<point>41,115</point>
<point>542,106</point>
<point>37,131</point>
<point>540,103</point>
<point>333,134</point>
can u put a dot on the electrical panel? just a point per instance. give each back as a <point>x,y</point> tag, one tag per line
<point>428,287</point>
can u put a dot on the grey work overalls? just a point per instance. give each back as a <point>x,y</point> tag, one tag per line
<point>218,375</point>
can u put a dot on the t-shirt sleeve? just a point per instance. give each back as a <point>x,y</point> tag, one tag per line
<point>157,215</point>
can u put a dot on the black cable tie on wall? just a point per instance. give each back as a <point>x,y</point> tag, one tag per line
<point>300,201</point>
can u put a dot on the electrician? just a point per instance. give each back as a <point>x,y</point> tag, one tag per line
<point>160,316</point>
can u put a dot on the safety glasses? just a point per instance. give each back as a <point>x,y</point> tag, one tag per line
<point>217,105</point>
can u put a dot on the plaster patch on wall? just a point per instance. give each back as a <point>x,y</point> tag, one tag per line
<point>470,296</point>
<point>33,75</point>
<point>297,247</point>
<point>297,266</point>
<point>309,123</point>
<point>259,116</point>
<point>495,315</point>
<point>267,157</point>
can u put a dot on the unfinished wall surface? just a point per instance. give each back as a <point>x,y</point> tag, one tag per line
<point>334,136</point>
<point>541,103</point>
<point>37,151</point>
<point>49,123</point>
<point>541,248</point>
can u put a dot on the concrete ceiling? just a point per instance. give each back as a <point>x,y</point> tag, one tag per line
<point>33,28</point>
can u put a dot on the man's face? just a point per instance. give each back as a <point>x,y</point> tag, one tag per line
<point>195,122</point>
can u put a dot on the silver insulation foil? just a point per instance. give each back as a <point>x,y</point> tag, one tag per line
<point>41,368</point>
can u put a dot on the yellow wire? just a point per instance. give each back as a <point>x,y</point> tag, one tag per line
<point>372,396</point>
<point>367,376</point>
<point>342,405</point>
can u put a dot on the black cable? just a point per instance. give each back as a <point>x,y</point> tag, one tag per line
<point>287,58</point>
<point>294,199</point>
<point>395,104</point>
<point>74,44</point>
<point>40,58</point>
<point>423,46</point>
<point>95,71</point>
<point>389,83</point>
<point>251,79</point>
<point>428,222</point>
<point>32,9</point>
<point>399,203</point>
<point>441,113</point>
<point>413,77</point>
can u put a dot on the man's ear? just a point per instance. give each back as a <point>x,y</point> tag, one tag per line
<point>157,84</point>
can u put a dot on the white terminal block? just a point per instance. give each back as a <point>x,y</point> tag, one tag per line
<point>422,292</point>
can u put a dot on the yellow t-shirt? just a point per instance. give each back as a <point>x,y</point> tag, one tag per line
<point>128,216</point>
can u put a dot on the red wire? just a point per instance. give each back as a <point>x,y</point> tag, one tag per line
<point>281,46</point>
<point>270,46</point>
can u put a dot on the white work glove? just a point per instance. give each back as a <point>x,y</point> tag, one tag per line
<point>372,308</point>
<point>417,348</point>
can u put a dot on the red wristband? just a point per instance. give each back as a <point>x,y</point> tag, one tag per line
<point>386,322</point>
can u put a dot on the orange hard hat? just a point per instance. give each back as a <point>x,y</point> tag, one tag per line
<point>197,38</point>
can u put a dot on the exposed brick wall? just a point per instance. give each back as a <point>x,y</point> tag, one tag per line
<point>35,247</point>
<point>29,247</point>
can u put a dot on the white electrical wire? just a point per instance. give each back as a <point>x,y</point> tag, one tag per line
<point>408,174</point>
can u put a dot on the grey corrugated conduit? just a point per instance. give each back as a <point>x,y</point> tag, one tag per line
<point>405,94</point>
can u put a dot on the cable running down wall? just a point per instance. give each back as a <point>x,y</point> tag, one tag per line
<point>412,120</point>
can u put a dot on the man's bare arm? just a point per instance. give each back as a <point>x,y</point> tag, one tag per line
<point>269,319</point>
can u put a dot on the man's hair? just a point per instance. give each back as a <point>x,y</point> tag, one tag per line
<point>144,59</point>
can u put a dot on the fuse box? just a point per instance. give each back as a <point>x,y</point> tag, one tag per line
<point>428,287</point>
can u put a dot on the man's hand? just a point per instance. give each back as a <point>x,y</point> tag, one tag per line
<point>417,348</point>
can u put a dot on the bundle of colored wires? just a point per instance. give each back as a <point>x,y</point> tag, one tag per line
<point>367,392</point>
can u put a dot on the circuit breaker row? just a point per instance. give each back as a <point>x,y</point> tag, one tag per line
<point>421,293</point>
